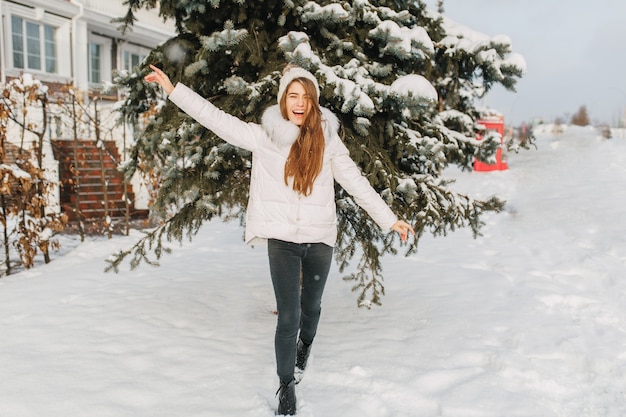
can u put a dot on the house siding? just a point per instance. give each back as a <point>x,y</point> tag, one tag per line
<point>76,23</point>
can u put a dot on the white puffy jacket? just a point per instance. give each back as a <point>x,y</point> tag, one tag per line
<point>275,210</point>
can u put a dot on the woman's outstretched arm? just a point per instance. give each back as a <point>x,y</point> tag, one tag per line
<point>229,128</point>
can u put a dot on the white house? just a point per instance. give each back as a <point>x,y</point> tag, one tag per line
<point>74,41</point>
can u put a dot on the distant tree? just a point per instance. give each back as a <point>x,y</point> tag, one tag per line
<point>558,125</point>
<point>605,131</point>
<point>580,118</point>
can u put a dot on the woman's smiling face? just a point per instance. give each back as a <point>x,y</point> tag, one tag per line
<point>298,103</point>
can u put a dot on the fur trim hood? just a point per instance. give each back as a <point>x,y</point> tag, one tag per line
<point>284,133</point>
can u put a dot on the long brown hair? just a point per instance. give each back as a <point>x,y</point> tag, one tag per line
<point>304,162</point>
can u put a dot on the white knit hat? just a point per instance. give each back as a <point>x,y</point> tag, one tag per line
<point>291,74</point>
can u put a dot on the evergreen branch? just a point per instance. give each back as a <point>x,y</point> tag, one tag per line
<point>129,19</point>
<point>358,233</point>
<point>226,38</point>
<point>441,210</point>
<point>186,222</point>
<point>431,207</point>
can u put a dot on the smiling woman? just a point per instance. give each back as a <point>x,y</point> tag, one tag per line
<point>300,106</point>
<point>297,102</point>
<point>297,157</point>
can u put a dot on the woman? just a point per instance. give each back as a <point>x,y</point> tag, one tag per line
<point>297,156</point>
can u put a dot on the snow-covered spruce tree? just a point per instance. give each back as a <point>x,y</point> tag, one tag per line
<point>373,60</point>
<point>467,64</point>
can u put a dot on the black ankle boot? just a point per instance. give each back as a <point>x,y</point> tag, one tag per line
<point>286,399</point>
<point>302,355</point>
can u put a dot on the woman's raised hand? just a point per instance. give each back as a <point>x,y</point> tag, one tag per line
<point>158,76</point>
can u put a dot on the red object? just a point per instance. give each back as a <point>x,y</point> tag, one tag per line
<point>492,123</point>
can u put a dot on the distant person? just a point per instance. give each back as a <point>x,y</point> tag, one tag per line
<point>296,157</point>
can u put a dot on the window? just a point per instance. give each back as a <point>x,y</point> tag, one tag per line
<point>34,45</point>
<point>39,40</point>
<point>130,56</point>
<point>95,63</point>
<point>132,60</point>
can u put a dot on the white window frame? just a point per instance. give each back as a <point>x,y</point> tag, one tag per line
<point>127,50</point>
<point>34,56</point>
<point>106,45</point>
<point>62,34</point>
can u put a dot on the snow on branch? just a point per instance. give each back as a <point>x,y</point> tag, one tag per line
<point>402,42</point>
<point>226,38</point>
<point>515,60</point>
<point>414,87</point>
<point>15,171</point>
<point>312,11</point>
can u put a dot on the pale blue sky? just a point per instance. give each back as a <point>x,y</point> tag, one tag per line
<point>575,53</point>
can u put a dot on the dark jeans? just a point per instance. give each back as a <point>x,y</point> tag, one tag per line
<point>298,305</point>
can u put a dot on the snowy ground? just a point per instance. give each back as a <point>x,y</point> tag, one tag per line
<point>528,320</point>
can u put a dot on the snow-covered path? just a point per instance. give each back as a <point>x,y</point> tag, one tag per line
<point>528,320</point>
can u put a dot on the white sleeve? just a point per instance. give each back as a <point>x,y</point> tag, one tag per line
<point>228,127</point>
<point>350,177</point>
